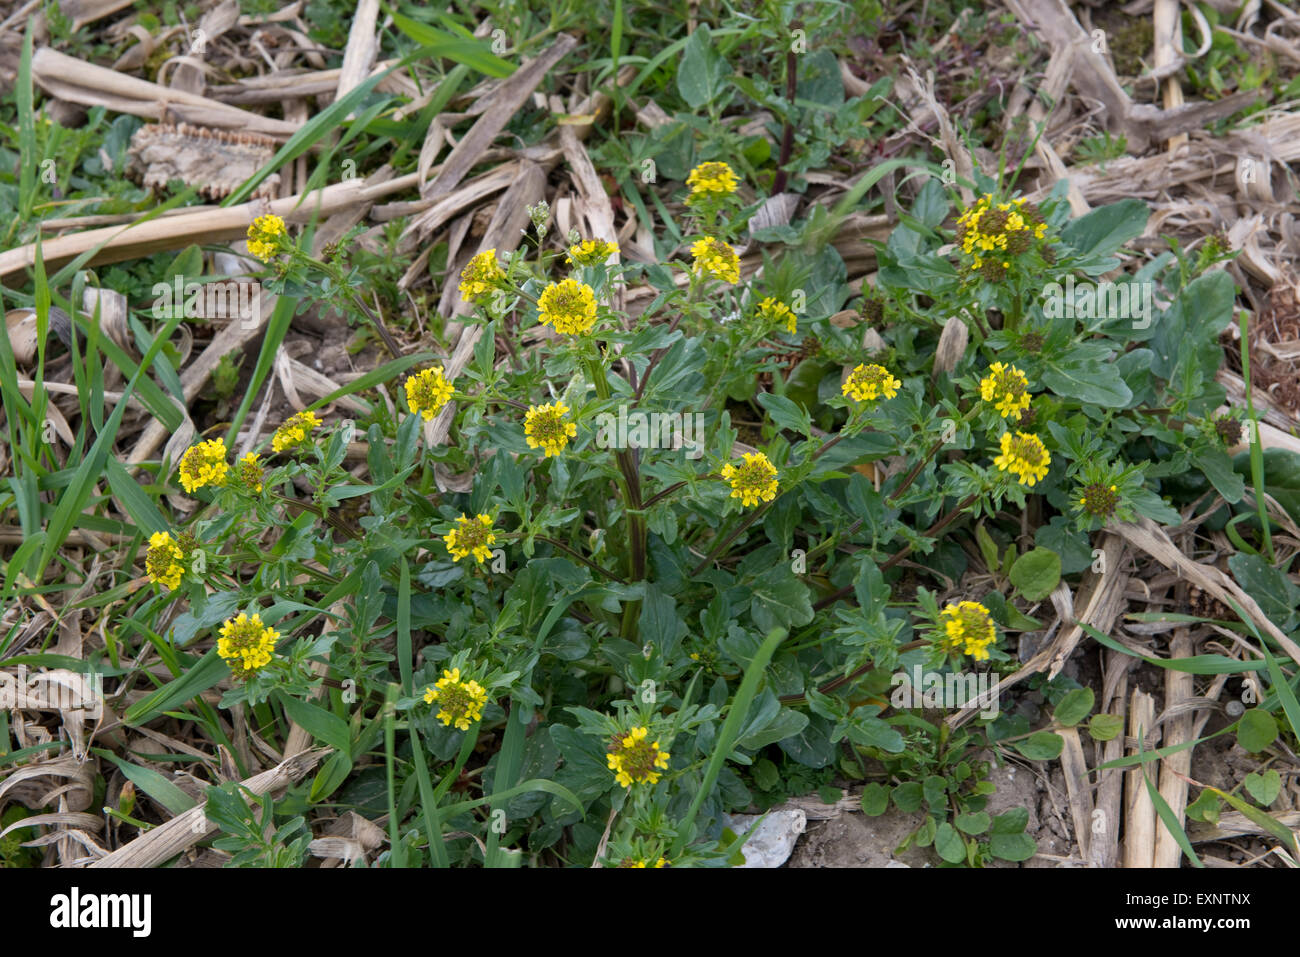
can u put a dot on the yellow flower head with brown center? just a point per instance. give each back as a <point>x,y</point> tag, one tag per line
<point>634,759</point>
<point>968,628</point>
<point>248,473</point>
<point>427,392</point>
<point>715,258</point>
<point>775,311</point>
<point>1005,386</point>
<point>471,536</point>
<point>752,481</point>
<point>569,306</point>
<point>1025,455</point>
<point>294,432</point>
<point>591,252</point>
<point>164,561</point>
<point>870,382</point>
<point>247,644</point>
<point>204,464</point>
<point>990,231</point>
<point>711,181</point>
<point>545,428</point>
<point>459,702</point>
<point>481,275</point>
<point>1099,501</point>
<point>264,236</point>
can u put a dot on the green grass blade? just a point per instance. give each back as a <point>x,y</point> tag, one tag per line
<point>727,736</point>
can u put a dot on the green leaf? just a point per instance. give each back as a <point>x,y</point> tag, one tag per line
<point>950,845</point>
<point>1074,707</point>
<point>1265,821</point>
<point>907,796</point>
<point>1218,469</point>
<point>1101,232</point>
<point>1278,598</point>
<point>701,70</point>
<point>1104,727</point>
<point>475,54</point>
<point>1008,840</point>
<point>156,785</point>
<point>1091,382</point>
<point>1040,746</point>
<point>322,724</point>
<point>1265,787</point>
<point>785,413</point>
<point>1036,573</point>
<point>976,823</point>
<point>780,600</point>
<point>1186,335</point>
<point>1256,730</point>
<point>875,799</point>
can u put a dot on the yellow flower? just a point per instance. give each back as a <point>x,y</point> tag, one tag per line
<point>471,536</point>
<point>715,258</point>
<point>545,428</point>
<point>710,181</point>
<point>1005,387</point>
<point>481,275</point>
<point>1025,455</point>
<point>998,227</point>
<point>644,862</point>
<point>294,432</point>
<point>634,759</point>
<point>867,383</point>
<point>774,311</point>
<point>264,236</point>
<point>459,702</point>
<point>247,644</point>
<point>248,471</point>
<point>591,252</point>
<point>752,481</point>
<point>569,305</point>
<point>204,464</point>
<point>968,628</point>
<point>427,392</point>
<point>164,561</point>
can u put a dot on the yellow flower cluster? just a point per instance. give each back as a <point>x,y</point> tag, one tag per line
<point>247,644</point>
<point>471,536</point>
<point>591,252</point>
<point>1026,456</point>
<point>867,383</point>
<point>711,181</point>
<point>459,702</point>
<point>427,392</point>
<point>164,561</point>
<point>569,306</point>
<point>775,311</point>
<point>204,464</point>
<point>248,472</point>
<point>545,428</point>
<point>968,628</point>
<point>1099,500</point>
<point>753,481</point>
<point>633,759</point>
<point>264,237</point>
<point>294,431</point>
<point>991,231</point>
<point>480,275</point>
<point>1005,386</point>
<point>715,258</point>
